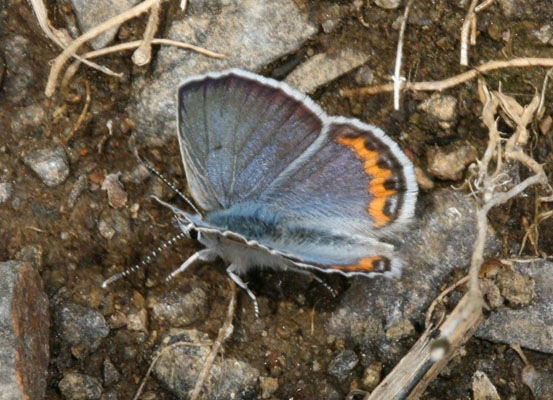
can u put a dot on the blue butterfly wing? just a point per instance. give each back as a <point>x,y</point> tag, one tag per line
<point>238,131</point>
<point>353,180</point>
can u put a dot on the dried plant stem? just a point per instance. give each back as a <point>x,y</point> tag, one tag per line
<point>82,115</point>
<point>482,6</point>
<point>70,71</point>
<point>470,20</point>
<point>136,43</point>
<point>454,80</point>
<point>92,33</point>
<point>399,54</point>
<point>143,54</point>
<point>224,334</point>
<point>61,38</point>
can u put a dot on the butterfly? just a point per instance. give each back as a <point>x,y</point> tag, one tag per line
<point>282,185</point>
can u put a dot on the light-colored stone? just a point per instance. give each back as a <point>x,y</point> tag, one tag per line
<point>322,68</point>
<point>250,33</point>
<point>92,13</point>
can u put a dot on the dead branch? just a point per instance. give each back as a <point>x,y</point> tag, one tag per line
<point>72,48</point>
<point>72,69</point>
<point>61,38</point>
<point>454,80</point>
<point>82,115</point>
<point>143,53</point>
<point>224,333</point>
<point>399,54</point>
<point>470,20</point>
<point>427,357</point>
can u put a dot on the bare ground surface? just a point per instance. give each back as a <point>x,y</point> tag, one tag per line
<point>289,340</point>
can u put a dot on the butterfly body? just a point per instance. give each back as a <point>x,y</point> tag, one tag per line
<point>283,185</point>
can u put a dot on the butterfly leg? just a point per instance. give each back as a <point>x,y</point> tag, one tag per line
<point>242,284</point>
<point>207,255</point>
<point>315,278</point>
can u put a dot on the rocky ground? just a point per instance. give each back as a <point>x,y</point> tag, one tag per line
<point>76,207</point>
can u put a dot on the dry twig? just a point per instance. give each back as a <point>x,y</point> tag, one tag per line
<point>82,115</point>
<point>399,54</point>
<point>454,80</point>
<point>143,53</point>
<point>470,21</point>
<point>72,69</point>
<point>61,38</point>
<point>71,49</point>
<point>224,333</point>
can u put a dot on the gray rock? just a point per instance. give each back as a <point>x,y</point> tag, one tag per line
<point>364,76</point>
<point>117,197</point>
<point>388,4</point>
<point>268,386</point>
<point>323,68</point>
<point>440,240</point>
<point>250,33</point>
<point>6,191</point>
<point>540,382</point>
<point>79,325</point>
<point>532,326</point>
<point>544,34</point>
<point>483,388</point>
<point>50,164</point>
<point>179,307</point>
<point>24,328</point>
<point>28,117</point>
<point>178,367</point>
<point>20,75</point>
<point>342,364</point>
<point>80,184</point>
<point>449,162</point>
<point>31,253</point>
<point>92,13</point>
<point>114,225</point>
<point>111,374</point>
<point>77,386</point>
<point>441,108</point>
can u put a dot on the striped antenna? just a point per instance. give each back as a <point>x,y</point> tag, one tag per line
<point>145,261</point>
<point>164,180</point>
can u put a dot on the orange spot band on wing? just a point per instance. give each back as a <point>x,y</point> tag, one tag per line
<point>378,175</point>
<point>364,265</point>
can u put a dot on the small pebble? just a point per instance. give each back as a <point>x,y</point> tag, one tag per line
<point>111,375</point>
<point>6,191</point>
<point>117,197</point>
<point>364,76</point>
<point>268,386</point>
<point>50,164</point>
<point>424,181</point>
<point>388,4</point>
<point>28,117</point>
<point>482,387</point>
<point>77,386</point>
<point>449,163</point>
<point>371,376</point>
<point>516,288</point>
<point>342,364</point>
<point>540,382</point>
<point>442,108</point>
<point>178,307</point>
<point>80,325</point>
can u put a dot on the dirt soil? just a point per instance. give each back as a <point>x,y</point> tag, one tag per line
<point>75,257</point>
